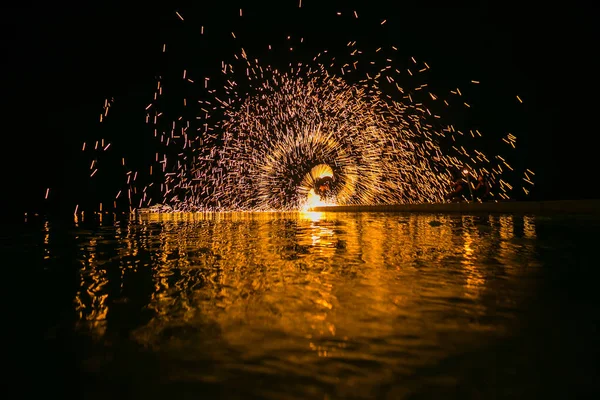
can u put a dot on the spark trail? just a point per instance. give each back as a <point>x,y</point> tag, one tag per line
<point>267,137</point>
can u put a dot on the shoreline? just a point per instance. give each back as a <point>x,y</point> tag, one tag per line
<point>513,207</point>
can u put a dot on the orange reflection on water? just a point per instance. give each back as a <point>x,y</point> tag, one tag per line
<point>46,240</point>
<point>91,300</point>
<point>302,285</point>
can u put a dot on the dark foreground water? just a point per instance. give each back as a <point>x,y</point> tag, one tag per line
<point>315,306</point>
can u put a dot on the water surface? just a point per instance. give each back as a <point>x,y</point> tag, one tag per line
<point>313,305</point>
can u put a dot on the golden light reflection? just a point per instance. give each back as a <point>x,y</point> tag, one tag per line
<point>321,279</point>
<point>475,278</point>
<point>311,215</point>
<point>46,240</point>
<point>91,300</point>
<point>529,227</point>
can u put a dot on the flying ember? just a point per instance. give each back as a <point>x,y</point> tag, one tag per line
<point>362,130</point>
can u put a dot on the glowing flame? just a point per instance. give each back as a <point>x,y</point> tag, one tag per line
<point>313,216</point>
<point>314,200</point>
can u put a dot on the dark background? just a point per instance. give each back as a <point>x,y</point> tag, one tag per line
<point>61,62</point>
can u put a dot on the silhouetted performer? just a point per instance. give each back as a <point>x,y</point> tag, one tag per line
<point>482,189</point>
<point>460,188</point>
<point>323,186</point>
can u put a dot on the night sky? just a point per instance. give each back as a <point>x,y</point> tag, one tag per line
<point>60,63</point>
